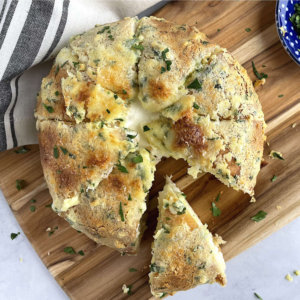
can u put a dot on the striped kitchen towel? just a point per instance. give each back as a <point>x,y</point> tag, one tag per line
<point>31,32</point>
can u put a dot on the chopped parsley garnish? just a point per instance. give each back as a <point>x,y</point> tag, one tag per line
<point>101,136</point>
<point>129,292</point>
<point>121,168</point>
<point>69,250</point>
<point>130,136</point>
<point>56,70</point>
<point>72,155</point>
<point>163,295</point>
<point>129,197</point>
<point>162,70</point>
<point>63,64</point>
<point>167,62</point>
<point>215,210</point>
<point>46,85</point>
<point>196,106</point>
<point>259,216</point>
<point>108,111</point>
<point>277,155</point>
<point>204,42</point>
<point>96,61</point>
<point>163,54</point>
<point>33,201</point>
<point>166,229</point>
<point>52,231</point>
<point>274,178</point>
<point>14,235</point>
<point>55,152</point>
<point>132,270</point>
<point>121,212</point>
<point>56,93</point>
<point>202,265</point>
<point>101,124</point>
<point>75,64</point>
<point>48,205</point>
<point>247,29</point>
<point>22,150</point>
<point>124,92</point>
<point>80,252</point>
<point>20,184</point>
<point>32,208</point>
<point>115,96</point>
<point>218,29</point>
<point>218,86</point>
<point>138,159</point>
<point>181,212</point>
<point>103,29</point>
<point>137,47</point>
<point>111,37</point>
<point>195,85</point>
<point>64,150</point>
<point>280,96</point>
<point>257,74</point>
<point>218,197</point>
<point>257,296</point>
<point>146,128</point>
<point>155,268</point>
<point>49,108</point>
<point>119,119</point>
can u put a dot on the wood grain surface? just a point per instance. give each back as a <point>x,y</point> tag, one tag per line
<point>101,272</point>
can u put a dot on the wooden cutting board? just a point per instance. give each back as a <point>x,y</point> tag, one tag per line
<point>101,272</point>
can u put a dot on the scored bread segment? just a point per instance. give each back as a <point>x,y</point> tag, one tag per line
<point>112,213</point>
<point>75,158</point>
<point>184,252</point>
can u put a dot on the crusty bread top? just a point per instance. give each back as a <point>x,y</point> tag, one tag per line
<point>111,214</point>
<point>184,253</point>
<point>78,157</point>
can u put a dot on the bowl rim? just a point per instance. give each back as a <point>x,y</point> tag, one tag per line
<point>285,45</point>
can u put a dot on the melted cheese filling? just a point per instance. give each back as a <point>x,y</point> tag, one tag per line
<point>136,118</point>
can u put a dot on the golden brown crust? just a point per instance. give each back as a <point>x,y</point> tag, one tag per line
<point>185,253</point>
<point>112,213</point>
<point>167,59</point>
<point>188,134</point>
<point>51,96</point>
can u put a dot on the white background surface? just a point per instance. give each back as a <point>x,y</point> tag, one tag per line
<point>260,269</point>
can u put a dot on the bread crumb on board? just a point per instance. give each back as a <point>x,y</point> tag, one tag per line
<point>297,272</point>
<point>289,277</point>
<point>259,82</point>
<point>252,200</point>
<point>294,125</point>
<point>126,289</point>
<point>278,207</point>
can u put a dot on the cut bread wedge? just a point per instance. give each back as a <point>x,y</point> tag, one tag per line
<point>184,253</point>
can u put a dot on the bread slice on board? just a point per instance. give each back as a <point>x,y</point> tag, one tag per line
<point>184,252</point>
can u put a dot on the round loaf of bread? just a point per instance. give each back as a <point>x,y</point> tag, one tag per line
<point>121,96</point>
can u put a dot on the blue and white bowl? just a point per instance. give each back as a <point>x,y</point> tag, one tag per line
<point>287,34</point>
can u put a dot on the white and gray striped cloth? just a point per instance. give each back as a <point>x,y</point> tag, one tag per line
<point>31,32</point>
